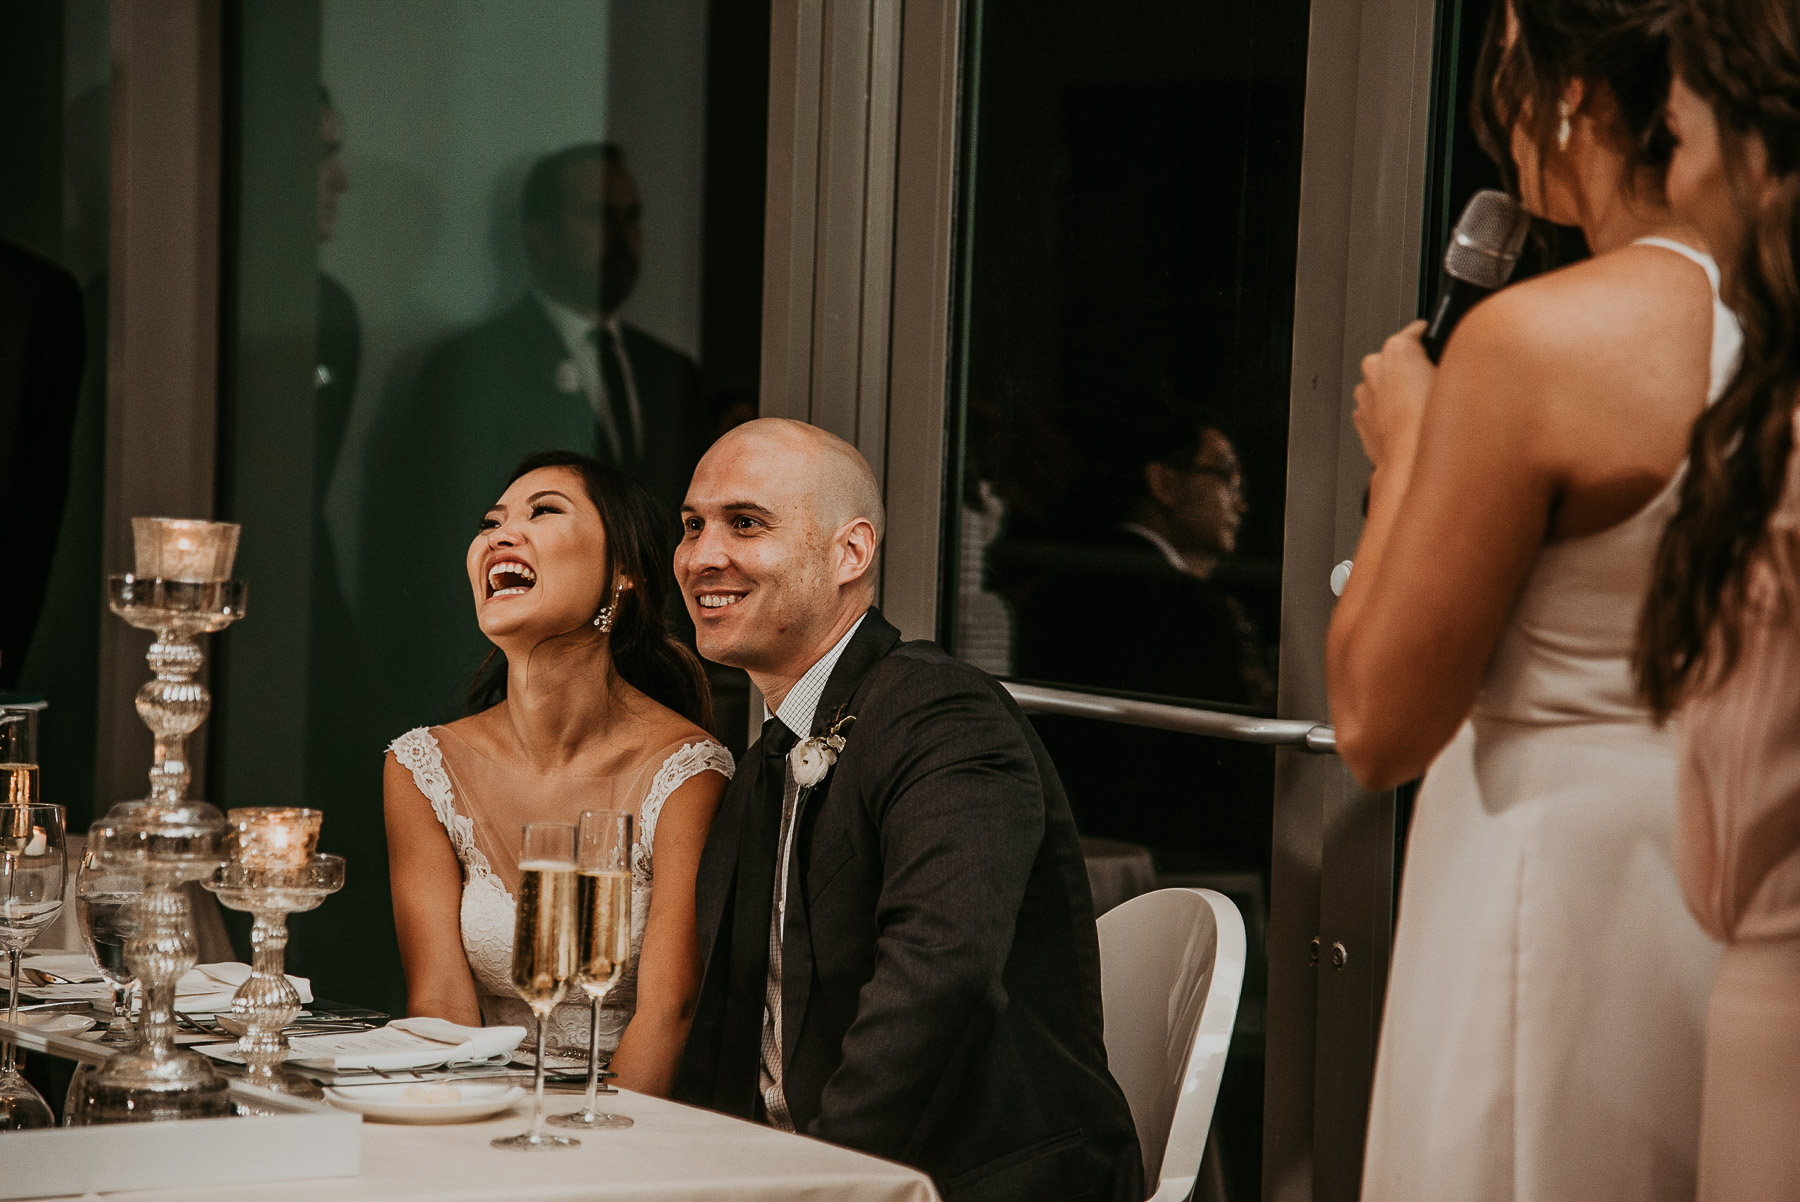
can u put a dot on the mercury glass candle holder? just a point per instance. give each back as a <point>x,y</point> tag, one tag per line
<point>181,591</point>
<point>266,1003</point>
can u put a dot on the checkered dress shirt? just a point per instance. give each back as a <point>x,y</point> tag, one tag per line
<point>796,713</point>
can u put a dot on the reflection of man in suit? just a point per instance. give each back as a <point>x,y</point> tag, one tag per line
<point>41,345</point>
<point>340,329</point>
<point>556,370</point>
<point>1153,619</point>
<point>920,980</point>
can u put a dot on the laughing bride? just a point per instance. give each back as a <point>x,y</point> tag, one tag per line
<point>587,702</point>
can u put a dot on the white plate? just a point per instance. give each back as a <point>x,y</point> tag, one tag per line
<point>390,1103</point>
<point>56,1024</point>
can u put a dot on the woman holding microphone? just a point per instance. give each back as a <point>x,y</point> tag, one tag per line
<point>1543,1029</point>
<point>1721,633</point>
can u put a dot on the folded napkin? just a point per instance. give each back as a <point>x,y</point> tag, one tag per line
<point>208,987</point>
<point>402,1044</point>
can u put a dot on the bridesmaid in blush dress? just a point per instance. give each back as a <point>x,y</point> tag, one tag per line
<point>1721,632</point>
<point>1543,1030</point>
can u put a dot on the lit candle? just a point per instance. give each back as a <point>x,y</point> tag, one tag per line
<point>183,549</point>
<point>274,837</point>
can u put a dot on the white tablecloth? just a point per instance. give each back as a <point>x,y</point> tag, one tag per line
<point>674,1152</point>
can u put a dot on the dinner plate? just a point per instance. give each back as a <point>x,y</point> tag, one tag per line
<point>55,1024</point>
<point>394,1104</point>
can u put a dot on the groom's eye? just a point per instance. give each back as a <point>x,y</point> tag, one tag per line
<point>744,521</point>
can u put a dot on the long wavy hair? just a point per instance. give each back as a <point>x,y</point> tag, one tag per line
<point>1620,45</point>
<point>1743,58</point>
<point>645,652</point>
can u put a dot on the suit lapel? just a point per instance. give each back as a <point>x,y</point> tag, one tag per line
<point>874,639</point>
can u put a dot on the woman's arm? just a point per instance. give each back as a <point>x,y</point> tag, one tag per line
<point>426,881</point>
<point>1458,508</point>
<point>669,965</point>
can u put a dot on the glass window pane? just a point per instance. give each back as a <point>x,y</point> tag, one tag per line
<point>527,227</point>
<point>1127,255</point>
<point>54,237</point>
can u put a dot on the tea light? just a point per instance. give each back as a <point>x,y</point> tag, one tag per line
<point>184,549</point>
<point>274,837</point>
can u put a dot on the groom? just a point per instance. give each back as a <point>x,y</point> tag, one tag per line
<point>894,919</point>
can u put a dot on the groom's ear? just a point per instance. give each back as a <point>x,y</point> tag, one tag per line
<point>857,543</point>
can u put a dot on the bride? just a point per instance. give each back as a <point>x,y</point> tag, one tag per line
<point>592,705</point>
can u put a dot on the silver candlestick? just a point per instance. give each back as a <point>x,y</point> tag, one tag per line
<point>271,882</point>
<point>181,589</point>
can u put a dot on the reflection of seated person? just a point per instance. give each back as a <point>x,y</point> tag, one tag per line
<point>41,345</point>
<point>556,369</point>
<point>1137,611</point>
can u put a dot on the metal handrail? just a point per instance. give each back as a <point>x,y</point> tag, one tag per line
<point>1314,737</point>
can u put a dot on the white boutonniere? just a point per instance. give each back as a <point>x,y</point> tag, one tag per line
<point>812,758</point>
<point>567,378</point>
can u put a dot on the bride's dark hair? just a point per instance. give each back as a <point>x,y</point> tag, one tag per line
<point>647,655</point>
<point>1742,57</point>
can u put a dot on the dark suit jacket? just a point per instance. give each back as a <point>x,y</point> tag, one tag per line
<point>940,970</point>
<point>1150,628</point>
<point>485,400</point>
<point>42,341</point>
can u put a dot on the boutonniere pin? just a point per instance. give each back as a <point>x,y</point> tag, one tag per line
<point>812,758</point>
<point>567,378</point>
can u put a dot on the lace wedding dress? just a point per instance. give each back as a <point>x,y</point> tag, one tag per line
<point>481,805</point>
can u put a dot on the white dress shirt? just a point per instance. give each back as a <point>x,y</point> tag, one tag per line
<point>796,712</point>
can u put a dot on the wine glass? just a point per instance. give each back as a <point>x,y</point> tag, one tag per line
<point>31,894</point>
<point>543,957</point>
<point>105,909</point>
<point>602,939</point>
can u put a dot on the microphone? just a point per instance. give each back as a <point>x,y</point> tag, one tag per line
<point>1484,248</point>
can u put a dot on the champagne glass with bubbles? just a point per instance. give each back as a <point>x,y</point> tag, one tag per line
<point>105,909</point>
<point>31,894</point>
<point>602,939</point>
<point>543,957</point>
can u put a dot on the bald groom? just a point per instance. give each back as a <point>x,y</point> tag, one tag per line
<point>896,930</point>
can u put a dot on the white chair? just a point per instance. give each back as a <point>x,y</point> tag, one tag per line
<point>1171,968</point>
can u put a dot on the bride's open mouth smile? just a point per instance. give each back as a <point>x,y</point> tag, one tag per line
<point>510,578</point>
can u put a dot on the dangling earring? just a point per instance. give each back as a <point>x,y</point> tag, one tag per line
<point>603,621</point>
<point>1562,130</point>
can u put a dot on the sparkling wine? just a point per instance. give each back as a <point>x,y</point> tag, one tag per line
<point>106,923</point>
<point>543,956</point>
<point>603,930</point>
<point>18,784</point>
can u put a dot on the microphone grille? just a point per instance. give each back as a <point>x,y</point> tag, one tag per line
<point>1484,247</point>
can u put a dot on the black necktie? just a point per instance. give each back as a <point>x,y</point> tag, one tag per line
<point>618,401</point>
<point>753,900</point>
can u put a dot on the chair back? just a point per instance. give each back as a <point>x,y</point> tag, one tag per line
<point>1171,969</point>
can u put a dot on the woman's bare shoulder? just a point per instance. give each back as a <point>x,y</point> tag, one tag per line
<point>1630,302</point>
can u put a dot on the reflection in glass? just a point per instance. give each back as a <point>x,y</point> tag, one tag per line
<point>1127,253</point>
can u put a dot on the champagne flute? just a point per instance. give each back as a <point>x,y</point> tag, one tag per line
<point>105,909</point>
<point>602,939</point>
<point>32,864</point>
<point>543,957</point>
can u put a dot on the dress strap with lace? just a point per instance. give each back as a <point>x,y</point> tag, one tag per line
<point>488,908</point>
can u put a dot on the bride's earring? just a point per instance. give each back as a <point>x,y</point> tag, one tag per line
<point>1562,130</point>
<point>603,621</point>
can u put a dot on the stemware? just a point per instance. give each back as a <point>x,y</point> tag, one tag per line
<point>31,894</point>
<point>105,909</point>
<point>602,939</point>
<point>543,957</point>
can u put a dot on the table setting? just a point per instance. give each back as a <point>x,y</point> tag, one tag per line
<point>232,1080</point>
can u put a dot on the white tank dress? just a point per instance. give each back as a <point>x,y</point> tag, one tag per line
<point>1546,1007</point>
